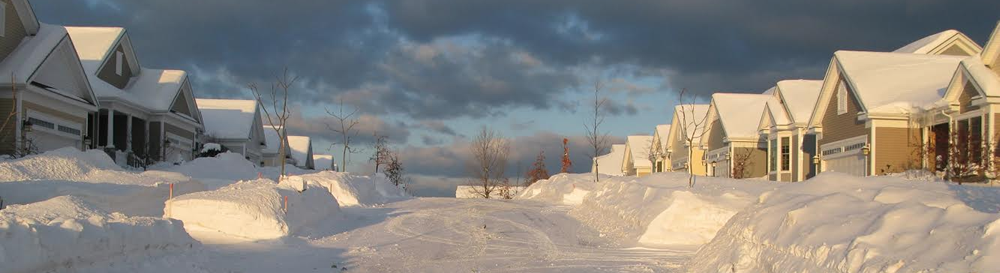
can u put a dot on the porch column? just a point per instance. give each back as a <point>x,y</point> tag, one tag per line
<point>111,128</point>
<point>145,144</point>
<point>128,130</point>
<point>163,148</point>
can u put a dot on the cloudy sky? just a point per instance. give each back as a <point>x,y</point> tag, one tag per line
<point>430,73</point>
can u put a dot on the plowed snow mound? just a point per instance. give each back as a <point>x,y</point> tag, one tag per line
<point>353,190</point>
<point>655,210</point>
<point>254,209</point>
<point>62,164</point>
<point>65,231</point>
<point>841,223</point>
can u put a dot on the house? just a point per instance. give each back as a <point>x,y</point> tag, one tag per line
<point>948,42</point>
<point>658,151</point>
<point>636,161</point>
<point>870,117</point>
<point>610,163</point>
<point>270,155</point>
<point>236,125</point>
<point>146,114</point>
<point>46,100</point>
<point>302,151</point>
<point>323,162</point>
<point>734,146</point>
<point>683,145</point>
<point>790,150</point>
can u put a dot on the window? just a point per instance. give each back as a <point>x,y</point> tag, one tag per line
<point>3,19</point>
<point>119,60</point>
<point>774,155</point>
<point>785,154</point>
<point>842,98</point>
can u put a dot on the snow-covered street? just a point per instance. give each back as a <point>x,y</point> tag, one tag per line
<point>443,235</point>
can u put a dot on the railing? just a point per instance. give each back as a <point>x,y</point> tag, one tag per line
<point>136,161</point>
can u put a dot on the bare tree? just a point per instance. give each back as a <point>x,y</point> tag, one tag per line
<point>394,169</point>
<point>489,163</point>
<point>382,152</point>
<point>275,106</point>
<point>597,139</point>
<point>692,128</point>
<point>741,163</point>
<point>345,128</point>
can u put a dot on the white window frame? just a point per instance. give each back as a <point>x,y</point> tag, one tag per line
<point>119,60</point>
<point>3,19</point>
<point>57,122</point>
<point>842,98</point>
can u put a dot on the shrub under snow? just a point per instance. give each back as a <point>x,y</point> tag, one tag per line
<point>253,209</point>
<point>65,232</point>
<point>841,223</point>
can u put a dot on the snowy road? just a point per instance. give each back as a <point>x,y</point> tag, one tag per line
<point>442,235</point>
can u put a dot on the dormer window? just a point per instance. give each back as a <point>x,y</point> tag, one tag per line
<point>119,61</point>
<point>842,98</point>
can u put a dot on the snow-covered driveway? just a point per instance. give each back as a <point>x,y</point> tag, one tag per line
<point>443,235</point>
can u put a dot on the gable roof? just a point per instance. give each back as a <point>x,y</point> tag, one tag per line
<point>228,119</point>
<point>774,114</point>
<point>739,113</point>
<point>973,72</point>
<point>611,163</point>
<point>661,133</point>
<point>798,97</point>
<point>638,146</point>
<point>26,61</point>
<point>153,89</point>
<point>323,162</point>
<point>894,83</point>
<point>272,140</point>
<point>300,147</point>
<point>940,42</point>
<point>693,113</point>
<point>991,52</point>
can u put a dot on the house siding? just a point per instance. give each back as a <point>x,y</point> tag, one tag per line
<point>697,164</point>
<point>893,152</point>
<point>108,73</point>
<point>956,50</point>
<point>756,163</point>
<point>716,136</point>
<point>181,106</point>
<point>965,99</point>
<point>14,31</point>
<point>839,127</point>
<point>7,136</point>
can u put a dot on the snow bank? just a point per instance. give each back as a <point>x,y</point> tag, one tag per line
<point>841,223</point>
<point>91,176</point>
<point>354,190</point>
<point>66,232</point>
<point>655,210</point>
<point>254,209</point>
<point>225,166</point>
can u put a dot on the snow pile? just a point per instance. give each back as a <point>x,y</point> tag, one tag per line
<point>67,232</point>
<point>254,209</point>
<point>841,223</point>
<point>655,210</point>
<point>354,190</point>
<point>62,164</point>
<point>226,166</point>
<point>90,176</point>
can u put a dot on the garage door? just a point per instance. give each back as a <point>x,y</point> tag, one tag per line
<point>722,168</point>
<point>849,164</point>
<point>46,141</point>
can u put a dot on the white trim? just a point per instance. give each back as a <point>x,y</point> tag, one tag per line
<point>841,98</point>
<point>118,62</point>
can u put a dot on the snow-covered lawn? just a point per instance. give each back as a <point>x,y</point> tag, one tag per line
<point>71,211</point>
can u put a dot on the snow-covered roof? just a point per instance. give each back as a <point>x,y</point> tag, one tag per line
<point>896,82</point>
<point>800,96</point>
<point>991,52</point>
<point>322,162</point>
<point>29,55</point>
<point>228,119</point>
<point>980,75</point>
<point>662,134</point>
<point>639,147</point>
<point>611,163</point>
<point>154,89</point>
<point>693,113</point>
<point>299,146</point>
<point>271,139</point>
<point>937,43</point>
<point>777,111</point>
<point>739,113</point>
